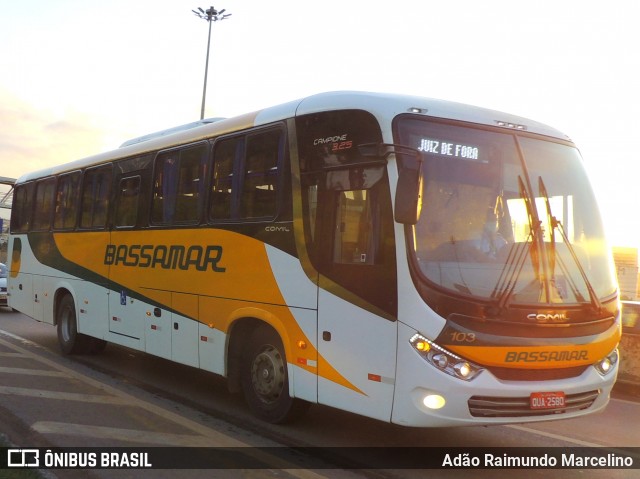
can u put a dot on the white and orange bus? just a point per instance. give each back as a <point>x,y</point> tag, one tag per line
<point>416,261</point>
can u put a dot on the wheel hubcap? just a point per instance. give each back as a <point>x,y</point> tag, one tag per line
<point>268,374</point>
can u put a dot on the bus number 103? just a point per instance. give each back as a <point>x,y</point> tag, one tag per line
<point>458,337</point>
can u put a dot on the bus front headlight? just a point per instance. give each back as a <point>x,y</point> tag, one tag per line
<point>444,360</point>
<point>607,364</point>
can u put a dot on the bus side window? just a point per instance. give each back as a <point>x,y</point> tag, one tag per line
<point>356,228</point>
<point>22,210</point>
<point>127,202</point>
<point>95,198</point>
<point>225,154</point>
<point>259,187</point>
<point>65,215</point>
<point>164,188</point>
<point>45,196</point>
<point>190,184</point>
<point>177,185</point>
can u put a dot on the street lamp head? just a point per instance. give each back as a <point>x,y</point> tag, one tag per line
<point>211,14</point>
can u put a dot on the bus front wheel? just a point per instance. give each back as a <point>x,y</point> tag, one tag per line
<point>265,380</point>
<point>70,340</point>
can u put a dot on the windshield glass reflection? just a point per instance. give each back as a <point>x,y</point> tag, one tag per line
<point>507,218</point>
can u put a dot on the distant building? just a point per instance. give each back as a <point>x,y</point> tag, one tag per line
<point>626,260</point>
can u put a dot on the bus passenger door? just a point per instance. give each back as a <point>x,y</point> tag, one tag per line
<point>349,238</point>
<point>357,299</point>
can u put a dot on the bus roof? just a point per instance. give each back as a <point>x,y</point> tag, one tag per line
<point>384,106</point>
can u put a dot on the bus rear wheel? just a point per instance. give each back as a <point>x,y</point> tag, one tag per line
<point>70,340</point>
<point>265,380</point>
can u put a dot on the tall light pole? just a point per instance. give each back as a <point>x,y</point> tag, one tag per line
<point>210,15</point>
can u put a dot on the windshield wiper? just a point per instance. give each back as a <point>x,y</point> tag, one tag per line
<point>508,279</point>
<point>510,273</point>
<point>553,224</point>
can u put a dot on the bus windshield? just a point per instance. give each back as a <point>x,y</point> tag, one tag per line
<point>507,217</point>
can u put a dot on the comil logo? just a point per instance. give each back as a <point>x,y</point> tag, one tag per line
<point>548,317</point>
<point>277,229</point>
<point>23,458</point>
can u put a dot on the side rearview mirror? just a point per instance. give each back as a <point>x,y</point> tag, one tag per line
<point>409,196</point>
<point>409,187</point>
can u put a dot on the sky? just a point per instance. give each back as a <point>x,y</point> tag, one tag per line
<point>78,77</point>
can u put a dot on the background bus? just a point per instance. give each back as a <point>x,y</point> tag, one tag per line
<point>412,260</point>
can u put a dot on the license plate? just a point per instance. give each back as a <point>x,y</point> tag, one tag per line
<point>547,400</point>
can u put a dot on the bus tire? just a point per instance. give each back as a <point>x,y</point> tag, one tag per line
<point>69,339</point>
<point>265,380</point>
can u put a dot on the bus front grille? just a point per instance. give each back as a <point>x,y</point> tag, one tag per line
<point>491,406</point>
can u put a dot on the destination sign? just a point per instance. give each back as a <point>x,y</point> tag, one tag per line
<point>445,148</point>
